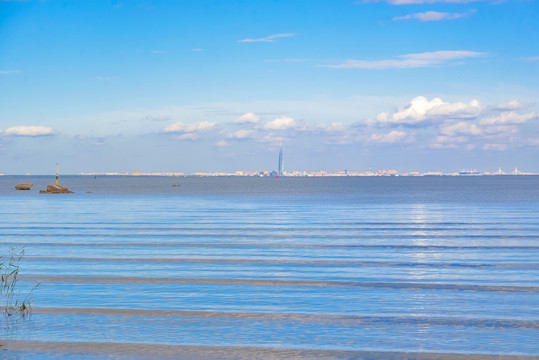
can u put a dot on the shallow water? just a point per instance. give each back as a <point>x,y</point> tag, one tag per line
<point>350,266</point>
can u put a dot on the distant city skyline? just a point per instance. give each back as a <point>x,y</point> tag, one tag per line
<point>277,173</point>
<point>217,86</point>
<point>322,173</point>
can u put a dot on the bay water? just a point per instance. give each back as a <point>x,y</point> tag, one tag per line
<point>248,267</point>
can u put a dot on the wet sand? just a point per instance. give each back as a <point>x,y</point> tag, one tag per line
<point>147,351</point>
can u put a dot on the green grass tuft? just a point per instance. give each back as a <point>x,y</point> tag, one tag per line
<point>9,295</point>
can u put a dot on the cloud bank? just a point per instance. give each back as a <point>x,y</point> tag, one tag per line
<point>513,104</point>
<point>422,110</point>
<point>30,131</point>
<point>241,134</point>
<point>392,137</point>
<point>409,61</point>
<point>181,127</point>
<point>432,16</point>
<point>185,131</point>
<point>281,123</point>
<point>270,38</point>
<point>509,117</point>
<point>247,118</point>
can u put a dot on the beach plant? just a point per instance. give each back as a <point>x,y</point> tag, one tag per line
<point>9,294</point>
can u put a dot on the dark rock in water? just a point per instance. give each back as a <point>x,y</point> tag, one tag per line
<point>56,189</point>
<point>24,186</point>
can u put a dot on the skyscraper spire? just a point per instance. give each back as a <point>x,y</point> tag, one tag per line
<point>280,167</point>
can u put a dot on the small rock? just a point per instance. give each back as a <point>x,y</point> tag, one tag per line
<point>24,186</point>
<point>56,189</point>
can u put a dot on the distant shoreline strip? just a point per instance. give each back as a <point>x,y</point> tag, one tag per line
<point>225,352</point>
<point>278,282</point>
<point>322,318</point>
<point>293,262</point>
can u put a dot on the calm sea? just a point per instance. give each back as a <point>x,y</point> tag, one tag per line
<point>228,268</point>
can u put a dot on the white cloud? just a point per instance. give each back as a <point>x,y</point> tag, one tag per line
<point>241,134</point>
<point>180,127</point>
<point>409,61</point>
<point>533,141</point>
<point>221,143</point>
<point>509,117</point>
<point>532,58</point>
<point>247,118</point>
<point>461,127</point>
<point>29,131</point>
<point>509,105</point>
<point>448,142</point>
<point>500,130</point>
<point>391,137</point>
<point>444,55</point>
<point>457,110</point>
<point>414,113</point>
<point>334,127</point>
<point>270,38</point>
<point>187,136</point>
<point>421,109</point>
<point>281,123</point>
<point>432,16</point>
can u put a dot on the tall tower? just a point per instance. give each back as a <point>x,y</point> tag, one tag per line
<point>280,168</point>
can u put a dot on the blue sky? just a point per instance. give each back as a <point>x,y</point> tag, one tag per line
<point>411,85</point>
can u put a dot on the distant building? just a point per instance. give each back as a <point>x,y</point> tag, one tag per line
<point>469,172</point>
